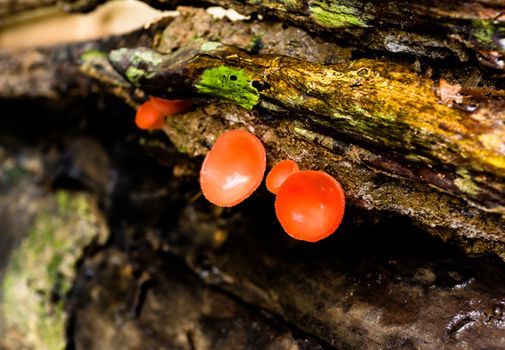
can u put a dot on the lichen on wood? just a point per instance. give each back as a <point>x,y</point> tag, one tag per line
<point>40,265</point>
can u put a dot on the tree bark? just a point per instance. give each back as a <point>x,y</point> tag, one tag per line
<point>359,119</point>
<point>416,138</point>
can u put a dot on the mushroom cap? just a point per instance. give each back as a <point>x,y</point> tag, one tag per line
<point>279,173</point>
<point>170,107</point>
<point>310,205</point>
<point>148,117</point>
<point>233,169</point>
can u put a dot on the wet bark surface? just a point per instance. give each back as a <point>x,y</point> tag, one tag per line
<point>108,242</point>
<point>372,123</point>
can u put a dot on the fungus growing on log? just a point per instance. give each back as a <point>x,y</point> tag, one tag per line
<point>233,169</point>
<point>151,114</point>
<point>148,117</point>
<point>170,107</point>
<point>279,173</point>
<point>310,205</point>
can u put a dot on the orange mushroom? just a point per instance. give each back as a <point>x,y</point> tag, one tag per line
<point>279,173</point>
<point>148,117</point>
<point>151,114</point>
<point>233,169</point>
<point>310,205</point>
<point>170,107</point>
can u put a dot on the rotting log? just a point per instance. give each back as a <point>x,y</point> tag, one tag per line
<point>380,114</point>
<point>370,289</point>
<point>433,28</point>
<point>378,105</point>
<point>376,176</point>
<point>443,215</point>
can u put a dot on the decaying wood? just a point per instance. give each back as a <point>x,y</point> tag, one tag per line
<point>434,28</point>
<point>378,114</point>
<point>53,73</point>
<point>375,288</point>
<point>378,105</point>
<point>383,122</point>
<point>441,214</point>
<point>404,144</point>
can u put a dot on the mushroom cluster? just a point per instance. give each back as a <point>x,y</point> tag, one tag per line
<point>309,204</point>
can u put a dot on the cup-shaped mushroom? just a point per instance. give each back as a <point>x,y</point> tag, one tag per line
<point>148,117</point>
<point>233,169</point>
<point>279,173</point>
<point>170,107</point>
<point>310,205</point>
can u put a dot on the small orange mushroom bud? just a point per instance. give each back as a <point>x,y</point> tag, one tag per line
<point>170,107</point>
<point>279,173</point>
<point>310,205</point>
<point>151,114</point>
<point>148,117</point>
<point>233,169</point>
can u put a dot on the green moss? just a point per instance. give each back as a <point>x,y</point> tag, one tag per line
<point>465,183</point>
<point>139,56</point>
<point>483,32</point>
<point>231,84</point>
<point>43,265</point>
<point>488,34</point>
<point>135,74</point>
<point>90,54</point>
<point>334,15</point>
<point>147,56</point>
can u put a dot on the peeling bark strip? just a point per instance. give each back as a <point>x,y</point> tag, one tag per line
<point>379,105</point>
<point>430,28</point>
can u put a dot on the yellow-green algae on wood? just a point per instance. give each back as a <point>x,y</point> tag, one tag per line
<point>384,104</point>
<point>231,84</point>
<point>331,14</point>
<point>43,265</point>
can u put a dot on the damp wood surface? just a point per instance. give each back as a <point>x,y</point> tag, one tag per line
<point>375,124</point>
<point>106,233</point>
